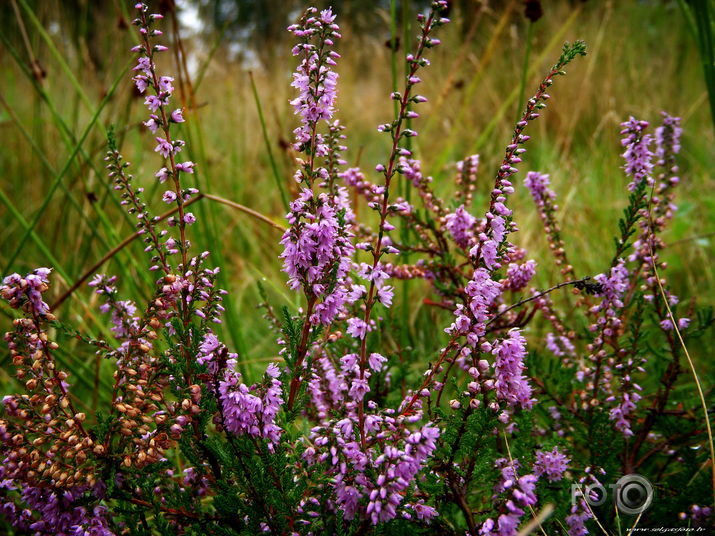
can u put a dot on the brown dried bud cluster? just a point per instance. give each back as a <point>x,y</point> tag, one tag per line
<point>405,271</point>
<point>467,179</point>
<point>553,234</point>
<point>42,439</point>
<point>140,419</point>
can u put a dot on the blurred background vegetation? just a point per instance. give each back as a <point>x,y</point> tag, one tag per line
<point>65,81</point>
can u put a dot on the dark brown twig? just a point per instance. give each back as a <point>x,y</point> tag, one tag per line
<point>539,295</point>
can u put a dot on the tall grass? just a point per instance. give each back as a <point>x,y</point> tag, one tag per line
<point>52,135</point>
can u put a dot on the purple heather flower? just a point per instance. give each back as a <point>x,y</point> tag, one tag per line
<point>511,385</point>
<point>315,82</point>
<point>700,515</point>
<point>209,345</point>
<point>412,171</point>
<point>165,84</point>
<point>357,327</point>
<point>153,102</point>
<point>518,494</point>
<point>667,137</point>
<point>621,412</point>
<point>211,348</point>
<point>189,218</point>
<point>163,174</point>
<point>164,148</point>
<point>124,320</point>
<point>142,82</point>
<point>576,521</point>
<point>177,116</point>
<point>186,167</point>
<point>519,275</point>
<point>559,345</point>
<point>144,64</point>
<point>152,123</point>
<point>638,156</point>
<point>169,196</point>
<point>318,250</point>
<point>487,250</point>
<point>27,291</point>
<point>423,511</point>
<point>359,388</point>
<point>614,286</point>
<point>385,293</point>
<point>482,291</point>
<point>460,224</point>
<point>552,463</point>
<point>538,185</point>
<point>667,324</point>
<point>104,285</point>
<point>252,410</point>
<point>375,361</point>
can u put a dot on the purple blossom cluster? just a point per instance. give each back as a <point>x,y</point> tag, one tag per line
<point>243,410</point>
<point>461,225</point>
<point>638,156</point>
<point>50,512</point>
<point>125,322</point>
<point>658,213</point>
<point>26,292</point>
<point>517,493</point>
<point>159,90</point>
<point>318,247</point>
<point>372,483</point>
<point>251,410</point>
<point>471,321</point>
<point>315,80</point>
<point>512,386</point>
<point>538,185</point>
<point>411,169</point>
<point>552,464</point>
<point>375,288</point>
<point>580,511</point>
<point>518,276</point>
<point>607,328</point>
<point>559,345</point>
<point>544,199</point>
<point>700,515</point>
<point>576,520</point>
<point>318,251</point>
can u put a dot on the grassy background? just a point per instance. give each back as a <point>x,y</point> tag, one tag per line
<point>642,59</point>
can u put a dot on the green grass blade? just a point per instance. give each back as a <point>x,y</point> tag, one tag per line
<point>701,22</point>
<point>59,57</point>
<point>50,169</point>
<point>36,239</point>
<point>56,182</point>
<point>524,69</point>
<point>267,141</point>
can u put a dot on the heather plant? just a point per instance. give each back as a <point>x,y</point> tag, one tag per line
<point>532,397</point>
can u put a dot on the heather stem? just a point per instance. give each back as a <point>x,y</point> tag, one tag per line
<point>389,173</point>
<point>184,306</point>
<point>301,352</point>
